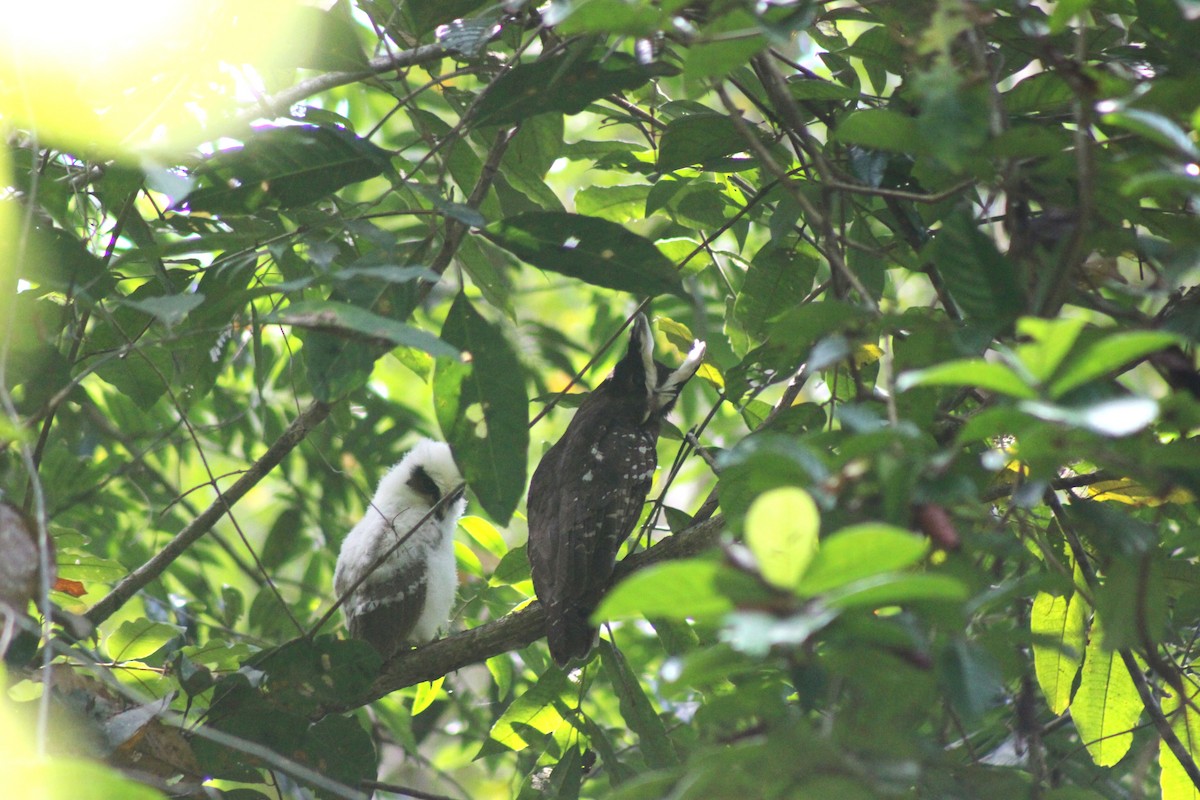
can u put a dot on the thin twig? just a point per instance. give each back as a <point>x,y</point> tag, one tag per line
<point>279,103</point>
<point>135,581</point>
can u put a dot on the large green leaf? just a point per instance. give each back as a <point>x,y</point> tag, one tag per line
<point>604,16</point>
<point>880,129</point>
<point>1057,623</point>
<point>65,778</point>
<point>861,551</point>
<point>694,588</point>
<point>777,280</point>
<point>540,709</point>
<point>136,639</point>
<point>1049,342</point>
<point>891,588</point>
<point>481,406</point>
<point>723,44</point>
<point>339,748</point>
<point>637,710</point>
<point>989,375</point>
<point>781,531</point>
<point>426,15</point>
<point>697,139</point>
<point>285,167</point>
<point>1106,707</point>
<point>982,282</point>
<point>1185,721</point>
<point>593,250</point>
<point>1111,353</point>
<point>347,320</point>
<point>567,82</point>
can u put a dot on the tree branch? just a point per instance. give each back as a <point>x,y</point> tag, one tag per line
<point>277,104</point>
<point>513,631</point>
<point>135,581</point>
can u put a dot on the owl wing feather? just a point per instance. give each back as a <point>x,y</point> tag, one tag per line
<point>384,610</point>
<point>585,497</point>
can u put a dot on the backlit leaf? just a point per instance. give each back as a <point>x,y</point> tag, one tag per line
<point>482,406</point>
<point>592,250</point>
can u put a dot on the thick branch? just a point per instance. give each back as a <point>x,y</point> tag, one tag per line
<point>517,630</point>
<point>135,581</point>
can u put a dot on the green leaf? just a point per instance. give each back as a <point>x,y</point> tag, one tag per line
<point>340,749</point>
<point>777,280</point>
<point>880,129</point>
<point>564,82</point>
<point>78,565</point>
<point>1051,339</point>
<point>1106,707</point>
<point>690,588</point>
<point>758,464</point>
<point>481,407</point>
<point>1041,93</point>
<point>513,567</point>
<point>302,674</point>
<point>989,375</point>
<point>540,709</point>
<point>285,167</point>
<point>603,16</point>
<point>1132,600</point>
<point>428,14</point>
<point>982,282</point>
<point>781,531</point>
<point>803,87</point>
<point>891,589</point>
<point>334,41</point>
<point>615,203</point>
<point>722,45</point>
<point>636,709</point>
<point>135,639</point>
<point>1108,355</point>
<point>484,534</point>
<point>1157,128</point>
<point>861,551</point>
<point>1121,416</point>
<point>282,543</point>
<point>58,260</point>
<point>593,250</point>
<point>972,680</point>
<point>1058,626</point>
<point>346,319</point>
<point>169,309</point>
<point>697,139</point>
<point>427,692</point>
<point>1185,721</point>
<point>64,778</point>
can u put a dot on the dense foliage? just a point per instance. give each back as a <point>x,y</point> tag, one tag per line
<point>926,527</point>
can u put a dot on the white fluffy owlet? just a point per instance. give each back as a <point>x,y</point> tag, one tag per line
<point>406,599</point>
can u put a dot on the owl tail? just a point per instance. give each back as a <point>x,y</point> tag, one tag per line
<point>569,634</point>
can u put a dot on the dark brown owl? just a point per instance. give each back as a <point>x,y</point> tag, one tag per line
<point>587,492</point>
